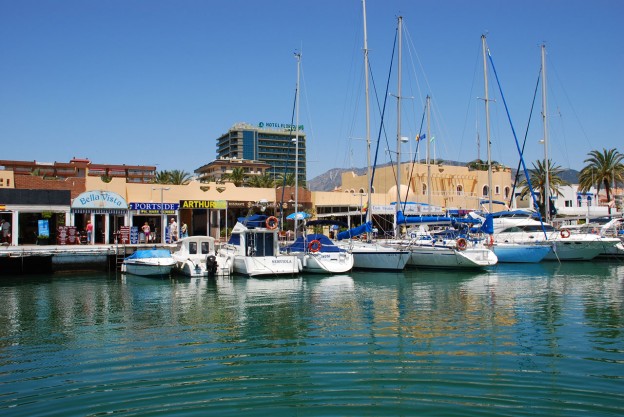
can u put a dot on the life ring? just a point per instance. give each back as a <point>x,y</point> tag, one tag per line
<point>462,244</point>
<point>271,223</point>
<point>314,246</point>
<point>565,233</point>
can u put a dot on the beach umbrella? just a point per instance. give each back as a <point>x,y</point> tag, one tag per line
<point>300,215</point>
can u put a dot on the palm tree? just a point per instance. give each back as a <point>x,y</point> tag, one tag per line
<point>237,176</point>
<point>261,181</point>
<point>603,168</point>
<point>538,182</point>
<point>178,177</point>
<point>286,179</point>
<point>162,177</point>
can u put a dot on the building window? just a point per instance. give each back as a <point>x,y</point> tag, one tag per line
<point>460,190</point>
<point>568,203</point>
<point>497,189</point>
<point>424,188</point>
<point>507,191</point>
<point>361,190</point>
<point>486,191</point>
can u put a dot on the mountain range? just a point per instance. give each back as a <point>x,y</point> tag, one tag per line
<point>331,179</point>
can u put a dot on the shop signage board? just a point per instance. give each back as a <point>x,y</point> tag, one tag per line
<point>204,204</point>
<point>67,235</point>
<point>154,208</point>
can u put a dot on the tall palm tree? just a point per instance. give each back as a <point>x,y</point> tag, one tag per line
<point>237,176</point>
<point>178,177</point>
<point>286,179</point>
<point>261,181</point>
<point>162,177</point>
<point>603,168</point>
<point>538,182</point>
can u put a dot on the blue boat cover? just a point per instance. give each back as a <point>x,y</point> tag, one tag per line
<point>302,242</point>
<point>150,253</point>
<point>251,222</point>
<point>355,231</point>
<point>402,219</point>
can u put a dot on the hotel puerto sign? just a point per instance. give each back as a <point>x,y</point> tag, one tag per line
<point>155,208</point>
<point>286,126</point>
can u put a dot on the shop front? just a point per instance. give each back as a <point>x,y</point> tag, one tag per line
<point>33,216</point>
<point>106,211</point>
<point>202,217</point>
<point>148,220</point>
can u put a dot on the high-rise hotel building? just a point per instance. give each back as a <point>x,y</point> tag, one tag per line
<point>271,143</point>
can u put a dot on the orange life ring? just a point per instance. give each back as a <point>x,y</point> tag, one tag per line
<point>271,223</point>
<point>565,233</point>
<point>314,246</point>
<point>462,244</point>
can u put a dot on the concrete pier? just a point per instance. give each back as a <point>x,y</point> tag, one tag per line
<point>52,258</point>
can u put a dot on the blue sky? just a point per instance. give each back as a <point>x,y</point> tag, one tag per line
<point>156,82</point>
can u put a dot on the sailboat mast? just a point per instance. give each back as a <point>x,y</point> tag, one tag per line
<point>368,140</point>
<point>398,201</point>
<point>428,140</point>
<point>298,56</point>
<point>546,190</point>
<point>487,122</point>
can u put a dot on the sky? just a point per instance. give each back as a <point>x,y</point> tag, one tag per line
<point>155,82</point>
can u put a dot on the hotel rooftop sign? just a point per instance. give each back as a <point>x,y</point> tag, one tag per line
<point>285,126</point>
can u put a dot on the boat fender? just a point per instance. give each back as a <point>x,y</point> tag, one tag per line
<point>314,246</point>
<point>490,241</point>
<point>271,223</point>
<point>462,244</point>
<point>565,233</point>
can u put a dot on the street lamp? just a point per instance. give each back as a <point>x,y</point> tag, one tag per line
<point>163,217</point>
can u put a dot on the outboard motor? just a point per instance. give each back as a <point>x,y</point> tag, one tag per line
<point>211,264</point>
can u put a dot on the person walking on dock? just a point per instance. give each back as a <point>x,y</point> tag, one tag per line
<point>173,230</point>
<point>89,230</point>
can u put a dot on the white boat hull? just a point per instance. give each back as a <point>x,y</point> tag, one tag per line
<point>326,262</point>
<point>375,256</point>
<point>254,266</point>
<point>445,257</point>
<point>148,267</point>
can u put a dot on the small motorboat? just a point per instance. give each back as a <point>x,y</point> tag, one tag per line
<point>149,262</point>
<point>195,256</point>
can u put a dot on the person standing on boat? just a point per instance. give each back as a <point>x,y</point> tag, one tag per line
<point>146,231</point>
<point>89,230</point>
<point>173,230</point>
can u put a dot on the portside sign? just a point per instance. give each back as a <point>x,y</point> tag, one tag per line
<point>155,208</point>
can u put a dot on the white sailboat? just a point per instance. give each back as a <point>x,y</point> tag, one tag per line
<point>369,254</point>
<point>506,251</point>
<point>426,250</point>
<point>522,228</point>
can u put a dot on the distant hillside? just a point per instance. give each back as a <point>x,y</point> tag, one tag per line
<point>332,178</point>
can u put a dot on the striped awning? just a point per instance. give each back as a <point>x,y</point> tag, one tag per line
<point>99,211</point>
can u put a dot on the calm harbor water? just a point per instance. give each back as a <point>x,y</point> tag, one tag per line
<point>518,340</point>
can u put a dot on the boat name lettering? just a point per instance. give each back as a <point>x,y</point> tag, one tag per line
<point>281,261</point>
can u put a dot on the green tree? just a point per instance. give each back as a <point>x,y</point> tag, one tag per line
<point>538,182</point>
<point>603,168</point>
<point>261,181</point>
<point>162,177</point>
<point>178,177</point>
<point>237,176</point>
<point>286,179</point>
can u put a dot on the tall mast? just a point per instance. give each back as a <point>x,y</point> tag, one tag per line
<point>546,190</point>
<point>368,141</point>
<point>298,56</point>
<point>398,201</point>
<point>428,142</point>
<point>487,123</point>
